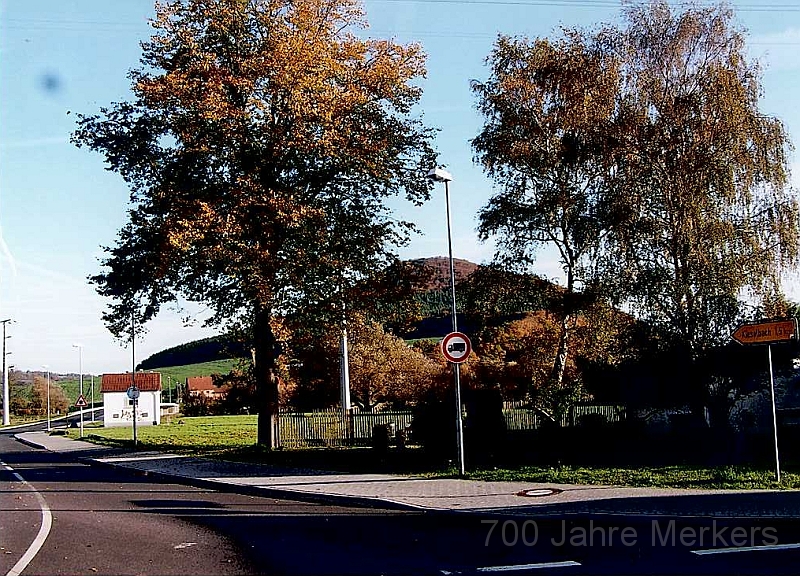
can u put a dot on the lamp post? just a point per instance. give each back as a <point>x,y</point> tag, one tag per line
<point>46,367</point>
<point>80,379</point>
<point>439,175</point>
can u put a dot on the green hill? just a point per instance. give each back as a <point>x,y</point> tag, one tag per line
<point>173,375</point>
<point>199,351</point>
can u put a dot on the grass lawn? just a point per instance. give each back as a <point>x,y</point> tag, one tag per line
<point>724,477</point>
<point>207,435</point>
<point>71,387</point>
<point>234,438</point>
<point>15,420</point>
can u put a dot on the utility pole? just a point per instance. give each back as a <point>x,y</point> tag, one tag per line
<point>6,397</point>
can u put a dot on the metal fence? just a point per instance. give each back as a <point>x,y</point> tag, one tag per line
<point>519,417</point>
<point>329,428</point>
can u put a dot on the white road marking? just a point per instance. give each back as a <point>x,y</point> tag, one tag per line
<point>540,565</point>
<point>185,545</point>
<point>44,529</point>
<point>745,549</point>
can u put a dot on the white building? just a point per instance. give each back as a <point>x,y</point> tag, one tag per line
<point>118,408</point>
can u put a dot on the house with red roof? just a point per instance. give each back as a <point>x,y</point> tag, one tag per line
<point>118,405</point>
<point>204,386</point>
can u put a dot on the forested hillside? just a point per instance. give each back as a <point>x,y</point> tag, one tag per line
<point>199,351</point>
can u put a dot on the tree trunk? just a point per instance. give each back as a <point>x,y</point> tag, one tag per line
<point>560,362</point>
<point>568,306</point>
<point>264,369</point>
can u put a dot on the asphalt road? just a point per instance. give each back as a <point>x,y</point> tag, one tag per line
<point>110,521</point>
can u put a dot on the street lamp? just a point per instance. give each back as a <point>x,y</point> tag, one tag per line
<point>80,377</point>
<point>440,175</point>
<point>46,367</point>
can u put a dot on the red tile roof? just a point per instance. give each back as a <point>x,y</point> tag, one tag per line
<point>200,383</point>
<point>145,381</point>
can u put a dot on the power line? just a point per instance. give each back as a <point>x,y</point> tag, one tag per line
<point>794,7</point>
<point>94,24</point>
<point>67,25</point>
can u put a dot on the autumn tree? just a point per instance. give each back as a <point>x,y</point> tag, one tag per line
<point>545,107</point>
<point>517,356</point>
<point>260,145</point>
<point>384,371</point>
<point>38,397</point>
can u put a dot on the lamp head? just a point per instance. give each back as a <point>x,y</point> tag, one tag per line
<point>440,175</point>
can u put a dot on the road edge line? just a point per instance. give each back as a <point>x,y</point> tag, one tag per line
<point>733,549</point>
<point>44,527</point>
<point>535,566</point>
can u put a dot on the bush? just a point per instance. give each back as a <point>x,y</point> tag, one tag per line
<point>434,427</point>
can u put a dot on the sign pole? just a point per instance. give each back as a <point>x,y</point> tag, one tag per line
<point>133,374</point>
<point>774,416</point>
<point>769,332</point>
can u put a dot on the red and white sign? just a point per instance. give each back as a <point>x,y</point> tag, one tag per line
<point>81,402</point>
<point>766,332</point>
<point>456,347</point>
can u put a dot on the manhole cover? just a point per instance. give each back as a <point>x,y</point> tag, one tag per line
<point>539,492</point>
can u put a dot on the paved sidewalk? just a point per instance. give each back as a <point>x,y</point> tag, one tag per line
<point>439,494</point>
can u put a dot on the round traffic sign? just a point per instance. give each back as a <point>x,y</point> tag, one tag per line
<point>456,347</point>
<point>133,392</point>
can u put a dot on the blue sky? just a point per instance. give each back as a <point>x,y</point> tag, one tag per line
<point>58,205</point>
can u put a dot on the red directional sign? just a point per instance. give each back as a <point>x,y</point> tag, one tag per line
<point>81,402</point>
<point>766,332</point>
<point>456,347</point>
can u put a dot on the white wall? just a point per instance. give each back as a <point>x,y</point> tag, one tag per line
<point>118,409</point>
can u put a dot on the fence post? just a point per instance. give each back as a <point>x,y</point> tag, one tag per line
<point>350,428</point>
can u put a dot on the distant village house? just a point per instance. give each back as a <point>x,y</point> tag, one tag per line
<point>204,386</point>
